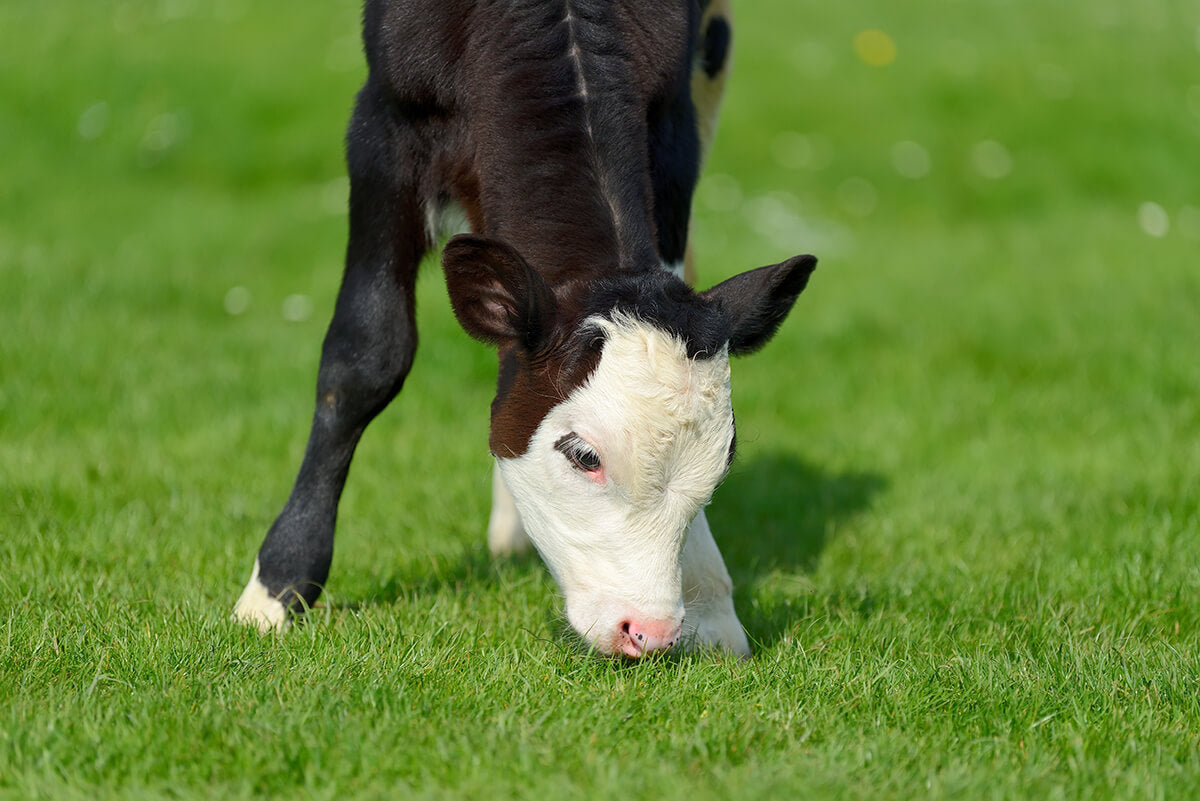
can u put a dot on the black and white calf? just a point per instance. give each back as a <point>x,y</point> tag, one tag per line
<point>570,133</point>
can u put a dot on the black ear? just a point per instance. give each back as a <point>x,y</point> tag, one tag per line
<point>758,300</point>
<point>497,297</point>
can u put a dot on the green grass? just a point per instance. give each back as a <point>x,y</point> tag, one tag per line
<point>965,521</point>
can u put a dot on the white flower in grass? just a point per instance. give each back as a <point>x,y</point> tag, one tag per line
<point>910,159</point>
<point>94,120</point>
<point>297,308</point>
<point>237,300</point>
<point>991,159</point>
<point>1153,219</point>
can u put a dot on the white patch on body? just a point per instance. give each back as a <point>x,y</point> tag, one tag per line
<point>257,607</point>
<point>445,220</point>
<point>662,425</point>
<point>675,268</point>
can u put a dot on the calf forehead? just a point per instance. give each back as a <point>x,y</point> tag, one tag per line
<point>661,418</point>
<point>665,348</point>
<point>648,373</point>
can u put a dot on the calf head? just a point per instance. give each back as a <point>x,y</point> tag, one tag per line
<point>612,422</point>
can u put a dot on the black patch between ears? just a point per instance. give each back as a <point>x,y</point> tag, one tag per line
<point>662,299</point>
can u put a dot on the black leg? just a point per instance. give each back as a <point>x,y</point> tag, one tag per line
<point>366,356</point>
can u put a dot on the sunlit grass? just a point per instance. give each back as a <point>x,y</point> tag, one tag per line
<point>964,523</point>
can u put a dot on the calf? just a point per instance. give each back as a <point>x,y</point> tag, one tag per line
<point>569,134</point>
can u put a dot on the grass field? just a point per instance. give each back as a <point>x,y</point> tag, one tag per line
<point>965,518</point>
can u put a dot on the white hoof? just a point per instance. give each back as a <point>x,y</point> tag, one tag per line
<point>257,607</point>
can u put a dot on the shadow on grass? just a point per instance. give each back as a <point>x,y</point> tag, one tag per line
<point>777,513</point>
<point>773,514</point>
<point>473,569</point>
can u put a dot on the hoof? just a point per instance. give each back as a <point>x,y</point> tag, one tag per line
<point>258,608</point>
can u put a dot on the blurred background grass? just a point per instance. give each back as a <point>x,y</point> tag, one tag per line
<point>976,442</point>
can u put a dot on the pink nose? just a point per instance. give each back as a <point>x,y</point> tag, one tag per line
<point>647,637</point>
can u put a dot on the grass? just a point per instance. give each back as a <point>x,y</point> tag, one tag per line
<point>964,524</point>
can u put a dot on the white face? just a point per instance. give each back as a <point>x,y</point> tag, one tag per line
<point>617,471</point>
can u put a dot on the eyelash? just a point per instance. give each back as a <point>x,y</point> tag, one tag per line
<point>581,455</point>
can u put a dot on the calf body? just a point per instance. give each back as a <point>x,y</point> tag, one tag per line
<point>567,132</point>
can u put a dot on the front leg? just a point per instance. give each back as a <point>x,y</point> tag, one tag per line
<point>709,619</point>
<point>366,356</point>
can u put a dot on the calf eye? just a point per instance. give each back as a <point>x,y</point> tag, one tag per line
<point>581,455</point>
